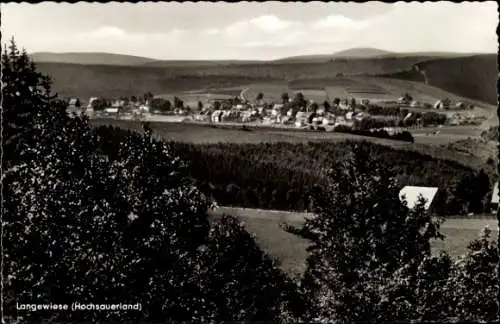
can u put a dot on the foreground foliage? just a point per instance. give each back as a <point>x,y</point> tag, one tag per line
<point>132,227</point>
<point>370,256</point>
<point>100,216</point>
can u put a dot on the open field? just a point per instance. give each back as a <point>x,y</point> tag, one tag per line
<point>272,91</point>
<point>471,76</point>
<point>191,99</point>
<point>432,144</point>
<point>291,250</point>
<point>316,95</point>
<point>377,90</point>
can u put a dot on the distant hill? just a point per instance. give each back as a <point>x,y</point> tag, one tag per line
<point>90,58</point>
<point>472,76</point>
<point>361,52</point>
<point>200,63</point>
<point>367,53</point>
<point>349,53</point>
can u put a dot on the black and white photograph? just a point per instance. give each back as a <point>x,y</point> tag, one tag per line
<point>250,162</point>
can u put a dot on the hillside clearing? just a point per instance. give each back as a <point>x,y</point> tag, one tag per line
<point>291,250</point>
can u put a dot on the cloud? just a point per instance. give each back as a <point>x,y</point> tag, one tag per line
<point>106,31</point>
<point>270,22</point>
<point>267,23</point>
<point>334,21</point>
<point>212,31</point>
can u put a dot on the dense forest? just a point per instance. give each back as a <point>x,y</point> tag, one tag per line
<point>282,175</point>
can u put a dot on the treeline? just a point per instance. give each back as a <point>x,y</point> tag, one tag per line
<point>401,136</point>
<point>282,175</point>
<point>491,134</point>
<point>429,117</point>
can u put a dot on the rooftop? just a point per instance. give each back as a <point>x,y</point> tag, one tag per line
<point>412,194</point>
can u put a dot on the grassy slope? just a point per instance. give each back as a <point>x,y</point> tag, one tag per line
<point>472,76</point>
<point>291,250</point>
<point>86,81</point>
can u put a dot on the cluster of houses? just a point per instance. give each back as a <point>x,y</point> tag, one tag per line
<point>75,105</point>
<point>444,104</point>
<point>277,114</point>
<point>347,112</point>
<point>465,118</point>
<point>119,106</point>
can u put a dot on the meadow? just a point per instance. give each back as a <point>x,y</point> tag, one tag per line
<point>291,249</point>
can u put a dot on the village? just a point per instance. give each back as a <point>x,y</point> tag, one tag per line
<point>297,112</point>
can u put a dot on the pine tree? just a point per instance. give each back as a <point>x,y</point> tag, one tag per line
<point>26,94</point>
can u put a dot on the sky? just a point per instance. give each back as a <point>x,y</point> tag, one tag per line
<point>246,30</point>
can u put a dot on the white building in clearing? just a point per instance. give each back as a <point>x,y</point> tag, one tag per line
<point>495,197</point>
<point>412,193</point>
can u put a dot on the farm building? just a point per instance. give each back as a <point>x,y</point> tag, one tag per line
<point>74,103</point>
<point>344,106</point>
<point>494,198</point>
<point>442,104</point>
<point>118,104</point>
<point>216,116</point>
<point>402,100</point>
<point>320,110</point>
<point>91,100</point>
<point>144,108</point>
<point>415,104</point>
<point>412,193</point>
<point>438,105</point>
<point>111,110</point>
<point>304,116</point>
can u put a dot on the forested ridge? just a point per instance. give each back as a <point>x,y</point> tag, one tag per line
<point>282,175</point>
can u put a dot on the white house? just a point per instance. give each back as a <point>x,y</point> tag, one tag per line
<point>415,104</point>
<point>494,197</point>
<point>277,106</point>
<point>441,104</point>
<point>320,110</point>
<point>111,110</point>
<point>91,100</point>
<point>344,106</point>
<point>407,116</point>
<point>144,108</point>
<point>460,105</point>
<point>412,193</point>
